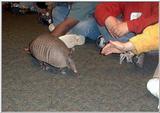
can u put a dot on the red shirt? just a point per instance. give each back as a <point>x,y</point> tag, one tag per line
<point>148,12</point>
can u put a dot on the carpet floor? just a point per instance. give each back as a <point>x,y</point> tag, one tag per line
<point>102,84</point>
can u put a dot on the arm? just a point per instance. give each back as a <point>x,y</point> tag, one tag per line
<point>138,25</point>
<point>106,14</point>
<point>64,27</point>
<point>104,10</point>
<point>144,42</point>
<point>79,11</point>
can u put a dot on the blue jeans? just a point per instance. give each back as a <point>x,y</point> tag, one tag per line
<point>59,13</point>
<point>108,37</point>
<point>88,28</point>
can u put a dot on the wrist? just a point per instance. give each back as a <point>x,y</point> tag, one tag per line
<point>128,46</point>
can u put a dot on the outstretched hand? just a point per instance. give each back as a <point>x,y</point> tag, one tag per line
<point>117,47</point>
<point>113,47</point>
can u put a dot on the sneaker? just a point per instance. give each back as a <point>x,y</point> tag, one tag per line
<point>100,42</point>
<point>153,86</point>
<point>138,60</point>
<point>51,27</point>
<point>72,40</point>
<point>128,55</point>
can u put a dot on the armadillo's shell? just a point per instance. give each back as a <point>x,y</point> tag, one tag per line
<point>50,50</point>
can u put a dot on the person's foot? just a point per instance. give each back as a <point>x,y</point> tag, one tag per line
<point>138,60</point>
<point>51,27</point>
<point>153,86</point>
<point>100,42</point>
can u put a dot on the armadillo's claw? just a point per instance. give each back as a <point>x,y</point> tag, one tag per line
<point>63,72</point>
<point>44,66</point>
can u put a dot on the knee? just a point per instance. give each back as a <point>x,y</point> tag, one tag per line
<point>88,23</point>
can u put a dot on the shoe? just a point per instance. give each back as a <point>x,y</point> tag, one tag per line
<point>153,86</point>
<point>126,55</point>
<point>72,40</point>
<point>51,27</point>
<point>138,60</point>
<point>100,42</point>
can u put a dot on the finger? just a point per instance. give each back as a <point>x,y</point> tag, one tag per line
<point>121,34</point>
<point>107,46</point>
<point>105,49</point>
<point>117,32</point>
<point>114,31</point>
<point>113,50</point>
<point>117,44</point>
<point>108,53</point>
<point>113,43</point>
<point>111,33</point>
<point>115,35</point>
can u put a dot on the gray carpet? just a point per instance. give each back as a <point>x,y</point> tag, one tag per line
<point>102,84</point>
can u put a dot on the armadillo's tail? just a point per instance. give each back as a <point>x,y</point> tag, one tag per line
<point>27,50</point>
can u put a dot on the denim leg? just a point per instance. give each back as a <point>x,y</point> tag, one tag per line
<point>59,13</point>
<point>87,28</point>
<point>108,37</point>
<point>126,37</point>
<point>105,33</point>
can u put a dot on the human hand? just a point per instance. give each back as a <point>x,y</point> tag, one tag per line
<point>110,22</point>
<point>116,47</point>
<point>112,47</point>
<point>120,29</point>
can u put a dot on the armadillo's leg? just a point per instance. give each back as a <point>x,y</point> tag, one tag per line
<point>63,71</point>
<point>72,50</point>
<point>71,64</point>
<point>44,66</point>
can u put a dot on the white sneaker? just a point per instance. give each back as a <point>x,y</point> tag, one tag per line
<point>72,40</point>
<point>51,27</point>
<point>153,86</point>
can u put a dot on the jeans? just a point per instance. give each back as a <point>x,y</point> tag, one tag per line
<point>88,28</point>
<point>108,37</point>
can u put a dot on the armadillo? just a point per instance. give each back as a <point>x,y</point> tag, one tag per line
<point>52,50</point>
